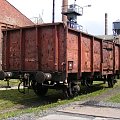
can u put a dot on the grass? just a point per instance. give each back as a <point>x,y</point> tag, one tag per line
<point>3,83</point>
<point>32,103</point>
<point>115,99</point>
<point>12,100</point>
<point>13,103</point>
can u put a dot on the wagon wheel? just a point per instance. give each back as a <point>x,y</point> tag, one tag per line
<point>110,81</point>
<point>39,89</point>
<point>87,82</point>
<point>73,90</point>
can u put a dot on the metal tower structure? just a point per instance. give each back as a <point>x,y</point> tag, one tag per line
<point>116,27</point>
<point>72,11</point>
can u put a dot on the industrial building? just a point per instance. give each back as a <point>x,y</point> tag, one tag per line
<point>10,17</point>
<point>116,31</point>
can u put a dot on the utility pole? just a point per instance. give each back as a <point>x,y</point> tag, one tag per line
<point>53,14</point>
<point>65,5</point>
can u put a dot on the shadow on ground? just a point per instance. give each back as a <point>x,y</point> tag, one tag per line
<point>31,100</point>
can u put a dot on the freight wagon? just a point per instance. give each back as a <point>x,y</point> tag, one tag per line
<point>58,57</point>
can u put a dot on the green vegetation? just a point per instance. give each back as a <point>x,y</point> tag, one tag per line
<point>3,83</point>
<point>13,103</point>
<point>115,98</point>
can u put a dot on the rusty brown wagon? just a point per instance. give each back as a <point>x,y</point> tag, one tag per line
<point>56,56</point>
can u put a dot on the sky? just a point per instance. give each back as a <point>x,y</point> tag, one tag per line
<point>93,19</point>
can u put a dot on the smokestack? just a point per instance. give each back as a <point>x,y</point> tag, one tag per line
<point>106,24</point>
<point>64,5</point>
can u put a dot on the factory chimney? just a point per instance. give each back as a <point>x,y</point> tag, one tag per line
<point>106,24</point>
<point>64,8</point>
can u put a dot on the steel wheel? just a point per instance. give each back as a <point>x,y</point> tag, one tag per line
<point>87,82</point>
<point>39,89</point>
<point>110,81</point>
<point>73,90</point>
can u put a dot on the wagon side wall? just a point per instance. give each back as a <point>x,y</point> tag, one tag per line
<point>34,48</point>
<point>84,51</point>
<point>117,62</point>
<point>108,57</point>
<point>72,51</point>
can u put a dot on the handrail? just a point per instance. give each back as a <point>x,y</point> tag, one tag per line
<point>72,8</point>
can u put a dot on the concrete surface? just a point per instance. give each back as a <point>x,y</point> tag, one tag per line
<point>61,117</point>
<point>84,112</point>
<point>68,117</point>
<point>93,111</point>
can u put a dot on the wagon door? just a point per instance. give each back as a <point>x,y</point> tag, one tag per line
<point>11,50</point>
<point>108,57</point>
<point>117,62</point>
<point>48,48</point>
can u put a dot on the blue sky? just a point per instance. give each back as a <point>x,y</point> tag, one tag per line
<point>92,19</point>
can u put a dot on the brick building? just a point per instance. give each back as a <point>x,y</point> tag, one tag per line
<point>11,17</point>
